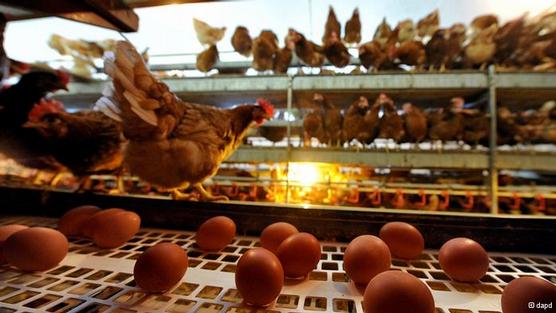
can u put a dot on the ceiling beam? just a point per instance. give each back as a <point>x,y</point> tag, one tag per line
<point>152,3</point>
<point>113,14</point>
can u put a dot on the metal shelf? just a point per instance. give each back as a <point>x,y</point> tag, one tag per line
<point>446,159</point>
<point>376,158</point>
<point>543,161</point>
<point>392,81</point>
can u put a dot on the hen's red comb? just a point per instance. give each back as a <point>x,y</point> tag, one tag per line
<point>267,106</point>
<point>63,76</point>
<point>44,107</point>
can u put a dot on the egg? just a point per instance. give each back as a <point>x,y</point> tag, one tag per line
<point>397,292</point>
<point>299,254</point>
<point>365,257</point>
<point>35,248</point>
<point>463,259</point>
<point>160,267</point>
<point>90,226</point>
<point>259,277</point>
<point>273,235</point>
<point>5,232</point>
<point>216,233</point>
<point>114,228</point>
<point>403,239</point>
<point>73,221</point>
<point>520,292</point>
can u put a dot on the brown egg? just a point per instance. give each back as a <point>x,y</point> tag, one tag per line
<point>259,277</point>
<point>114,229</point>
<point>397,292</point>
<point>90,226</point>
<point>273,235</point>
<point>404,240</point>
<point>463,259</point>
<point>521,292</point>
<point>35,248</point>
<point>216,233</point>
<point>160,267</point>
<point>299,254</point>
<point>5,232</point>
<point>365,257</point>
<point>73,221</point>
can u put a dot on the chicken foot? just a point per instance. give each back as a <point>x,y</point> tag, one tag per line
<point>206,196</point>
<point>56,179</point>
<point>178,195</point>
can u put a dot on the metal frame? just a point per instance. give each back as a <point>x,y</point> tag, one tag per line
<point>425,85</point>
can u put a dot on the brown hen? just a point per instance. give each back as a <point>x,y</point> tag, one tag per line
<point>264,49</point>
<point>332,25</point>
<point>172,143</point>
<point>428,24</point>
<point>336,52</point>
<point>415,123</point>
<point>391,124</point>
<point>307,51</point>
<point>332,120</point>
<point>355,126</point>
<point>242,41</point>
<point>352,34</point>
<point>207,59</point>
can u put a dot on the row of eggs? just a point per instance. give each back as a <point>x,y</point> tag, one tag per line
<point>285,253</point>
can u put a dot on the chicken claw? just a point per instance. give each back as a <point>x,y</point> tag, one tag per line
<point>206,196</point>
<point>178,195</point>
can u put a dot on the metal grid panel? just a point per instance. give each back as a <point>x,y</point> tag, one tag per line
<point>95,280</point>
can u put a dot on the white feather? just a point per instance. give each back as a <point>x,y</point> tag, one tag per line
<point>101,106</point>
<point>146,115</point>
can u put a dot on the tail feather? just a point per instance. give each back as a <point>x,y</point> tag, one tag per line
<point>132,83</point>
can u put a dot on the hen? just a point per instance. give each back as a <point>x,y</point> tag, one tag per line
<point>336,52</point>
<point>438,49</point>
<point>391,124</point>
<point>85,143</point>
<point>206,34</point>
<point>241,41</point>
<point>307,51</point>
<point>264,48</point>
<point>382,32</point>
<point>412,53</point>
<point>482,22</point>
<point>476,126</point>
<point>16,102</point>
<point>352,33</point>
<point>371,55</point>
<point>507,40</point>
<point>405,30</point>
<point>481,48</point>
<point>172,143</point>
<point>332,25</point>
<point>207,59</point>
<point>283,58</point>
<point>354,122</point>
<point>415,123</point>
<point>313,127</point>
<point>449,126</point>
<point>428,24</point>
<point>332,120</point>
